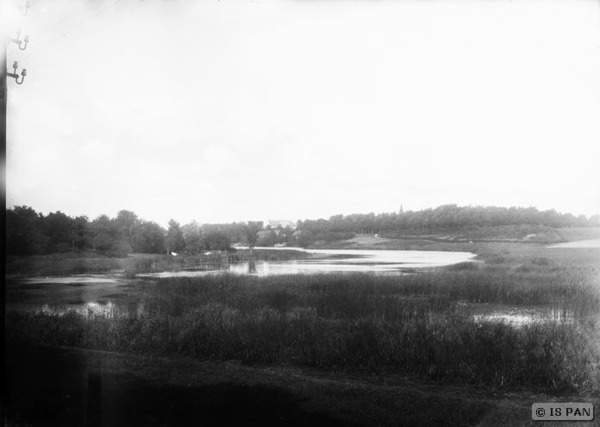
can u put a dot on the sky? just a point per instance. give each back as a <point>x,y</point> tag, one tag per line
<point>237,110</point>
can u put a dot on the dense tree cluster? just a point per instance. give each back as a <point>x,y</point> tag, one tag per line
<point>31,233</point>
<point>446,217</point>
<point>279,235</point>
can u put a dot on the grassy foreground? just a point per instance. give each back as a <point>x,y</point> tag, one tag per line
<point>411,324</point>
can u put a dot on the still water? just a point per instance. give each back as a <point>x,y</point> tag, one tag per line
<point>338,261</point>
<point>98,294</point>
<point>518,316</point>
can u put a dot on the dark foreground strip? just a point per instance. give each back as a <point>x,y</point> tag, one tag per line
<point>59,387</point>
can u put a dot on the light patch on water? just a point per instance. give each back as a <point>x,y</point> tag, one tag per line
<point>272,268</point>
<point>519,315</point>
<point>69,279</point>
<point>510,318</point>
<point>87,310</point>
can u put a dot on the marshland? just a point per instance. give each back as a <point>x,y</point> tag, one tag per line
<point>300,213</point>
<point>518,319</point>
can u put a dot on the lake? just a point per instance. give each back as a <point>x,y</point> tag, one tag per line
<point>336,261</point>
<point>92,294</point>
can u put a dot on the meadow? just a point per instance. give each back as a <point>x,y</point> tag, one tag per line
<point>418,324</point>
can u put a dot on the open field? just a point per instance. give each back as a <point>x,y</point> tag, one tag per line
<point>350,342</point>
<point>510,233</point>
<point>573,234</point>
<point>590,243</point>
<point>471,240</point>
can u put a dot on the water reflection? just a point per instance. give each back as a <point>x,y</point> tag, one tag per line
<point>520,315</point>
<point>75,279</point>
<point>334,261</point>
<point>87,310</point>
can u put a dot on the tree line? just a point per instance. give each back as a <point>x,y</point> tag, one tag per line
<point>446,217</point>
<point>31,233</point>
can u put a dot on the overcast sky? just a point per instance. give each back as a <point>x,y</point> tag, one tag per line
<point>235,110</point>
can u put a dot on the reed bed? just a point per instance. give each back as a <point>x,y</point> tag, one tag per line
<point>412,324</point>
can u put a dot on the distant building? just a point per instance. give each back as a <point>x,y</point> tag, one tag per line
<point>274,223</point>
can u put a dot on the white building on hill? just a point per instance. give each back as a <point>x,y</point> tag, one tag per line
<point>274,223</point>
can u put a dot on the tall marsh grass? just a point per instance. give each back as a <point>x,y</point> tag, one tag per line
<point>361,323</point>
